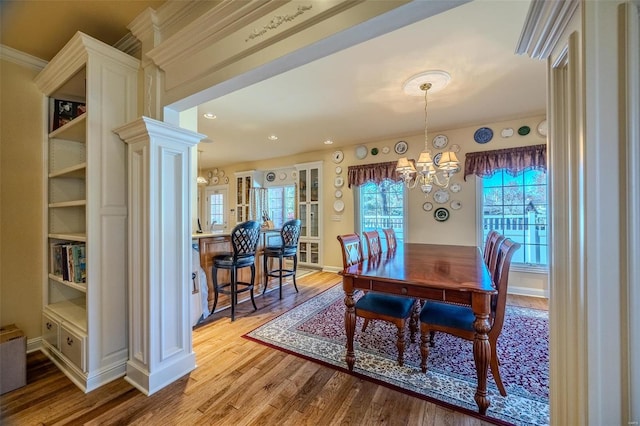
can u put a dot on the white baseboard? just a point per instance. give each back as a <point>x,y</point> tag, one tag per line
<point>527,291</point>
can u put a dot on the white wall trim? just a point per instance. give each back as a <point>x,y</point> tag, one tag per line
<point>17,57</point>
<point>527,291</point>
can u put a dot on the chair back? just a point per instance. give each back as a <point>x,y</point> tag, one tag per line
<point>492,263</point>
<point>244,239</point>
<point>390,234</point>
<point>501,282</point>
<point>489,244</point>
<point>351,249</point>
<point>290,234</point>
<point>373,243</point>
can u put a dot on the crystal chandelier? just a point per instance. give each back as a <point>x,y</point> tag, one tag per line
<point>425,172</point>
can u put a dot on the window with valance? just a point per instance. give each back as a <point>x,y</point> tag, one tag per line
<point>512,160</point>
<point>376,173</point>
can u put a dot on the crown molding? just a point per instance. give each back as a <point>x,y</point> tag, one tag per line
<point>130,45</point>
<point>17,57</point>
<point>544,25</point>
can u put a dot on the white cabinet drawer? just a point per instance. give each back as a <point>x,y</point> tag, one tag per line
<point>72,347</point>
<point>51,331</point>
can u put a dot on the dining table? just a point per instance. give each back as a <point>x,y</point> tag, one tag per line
<point>447,273</point>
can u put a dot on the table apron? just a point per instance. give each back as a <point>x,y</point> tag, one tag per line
<point>418,291</point>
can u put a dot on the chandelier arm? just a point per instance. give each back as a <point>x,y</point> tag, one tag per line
<point>446,183</point>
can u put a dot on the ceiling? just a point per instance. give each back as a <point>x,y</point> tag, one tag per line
<point>353,96</point>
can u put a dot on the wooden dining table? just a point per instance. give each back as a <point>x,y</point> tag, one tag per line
<point>447,273</point>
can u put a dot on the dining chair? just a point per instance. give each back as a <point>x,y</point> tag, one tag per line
<point>373,243</point>
<point>244,240</point>
<point>288,248</point>
<point>494,249</point>
<point>458,320</point>
<point>489,244</point>
<point>390,235</point>
<point>376,306</point>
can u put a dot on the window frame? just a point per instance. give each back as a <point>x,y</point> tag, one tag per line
<point>401,237</point>
<point>515,266</point>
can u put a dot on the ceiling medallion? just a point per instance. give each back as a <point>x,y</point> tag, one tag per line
<point>437,78</point>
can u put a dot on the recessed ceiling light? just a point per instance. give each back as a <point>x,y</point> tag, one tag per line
<point>209,115</point>
<point>328,142</point>
<point>272,137</point>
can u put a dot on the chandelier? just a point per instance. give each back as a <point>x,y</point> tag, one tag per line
<point>425,172</point>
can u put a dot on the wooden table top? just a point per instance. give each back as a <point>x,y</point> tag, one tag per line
<point>432,265</point>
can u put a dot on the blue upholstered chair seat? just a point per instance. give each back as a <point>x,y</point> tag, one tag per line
<point>225,261</point>
<point>393,306</point>
<point>448,315</point>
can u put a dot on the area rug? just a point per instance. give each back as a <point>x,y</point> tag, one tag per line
<point>315,330</point>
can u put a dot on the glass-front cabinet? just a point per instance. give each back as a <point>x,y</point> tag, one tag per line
<point>244,182</point>
<point>310,213</point>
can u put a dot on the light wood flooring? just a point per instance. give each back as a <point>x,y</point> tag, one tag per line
<point>237,382</point>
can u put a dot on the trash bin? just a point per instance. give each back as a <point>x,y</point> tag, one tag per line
<point>13,358</point>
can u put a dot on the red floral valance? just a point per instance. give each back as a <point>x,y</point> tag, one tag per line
<point>359,175</point>
<point>513,160</point>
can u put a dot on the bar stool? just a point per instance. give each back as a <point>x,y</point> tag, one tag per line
<point>244,239</point>
<point>289,235</point>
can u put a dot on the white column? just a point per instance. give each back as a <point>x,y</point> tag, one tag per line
<point>159,185</point>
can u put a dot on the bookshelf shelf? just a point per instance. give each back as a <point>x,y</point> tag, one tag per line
<point>78,286</point>
<point>69,236</point>
<point>75,203</point>
<point>75,130</point>
<point>73,310</point>
<point>77,171</point>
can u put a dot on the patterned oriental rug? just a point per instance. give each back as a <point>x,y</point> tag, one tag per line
<point>315,330</point>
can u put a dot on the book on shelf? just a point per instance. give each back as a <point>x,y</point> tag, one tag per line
<point>68,261</point>
<point>63,111</point>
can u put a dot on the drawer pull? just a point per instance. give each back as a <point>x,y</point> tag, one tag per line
<point>49,325</point>
<point>69,341</point>
<point>404,290</point>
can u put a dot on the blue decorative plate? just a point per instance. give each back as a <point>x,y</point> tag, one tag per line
<point>483,135</point>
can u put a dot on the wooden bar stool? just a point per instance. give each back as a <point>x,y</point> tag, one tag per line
<point>288,248</point>
<point>244,239</point>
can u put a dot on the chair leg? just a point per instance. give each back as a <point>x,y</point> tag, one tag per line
<point>366,323</point>
<point>413,322</point>
<point>295,269</point>
<point>424,349</point>
<point>495,370</point>
<point>233,293</point>
<point>215,289</point>
<point>280,274</point>
<point>400,344</point>
<point>253,277</point>
<point>266,273</point>
<point>432,340</point>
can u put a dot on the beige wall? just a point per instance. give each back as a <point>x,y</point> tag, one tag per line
<point>460,229</point>
<point>21,183</point>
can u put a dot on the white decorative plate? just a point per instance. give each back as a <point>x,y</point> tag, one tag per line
<point>506,132</point>
<point>401,147</point>
<point>456,187</point>
<point>542,128</point>
<point>215,171</point>
<point>282,176</point>
<point>226,179</point>
<point>337,156</point>
<point>338,205</point>
<point>338,170</point>
<point>214,180</point>
<point>361,152</point>
<point>385,150</point>
<point>221,173</point>
<point>456,205</point>
<point>338,182</point>
<point>338,193</point>
<point>294,174</point>
<point>427,206</point>
<point>441,196</point>
<point>440,141</point>
<point>455,148</point>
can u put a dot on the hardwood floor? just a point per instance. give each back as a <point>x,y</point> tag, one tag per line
<point>237,382</point>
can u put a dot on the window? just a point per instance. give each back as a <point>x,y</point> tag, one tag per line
<point>382,206</point>
<point>516,206</point>
<point>282,203</point>
<point>214,208</point>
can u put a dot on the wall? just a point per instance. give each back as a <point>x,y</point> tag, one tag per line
<point>21,186</point>
<point>460,229</point>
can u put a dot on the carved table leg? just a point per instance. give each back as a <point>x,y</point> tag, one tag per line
<point>349,324</point>
<point>481,352</point>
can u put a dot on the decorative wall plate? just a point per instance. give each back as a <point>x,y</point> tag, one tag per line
<point>214,180</point>
<point>440,141</point>
<point>226,179</point>
<point>338,182</point>
<point>401,147</point>
<point>294,174</point>
<point>441,214</point>
<point>542,128</point>
<point>361,152</point>
<point>210,174</point>
<point>524,130</point>
<point>385,149</point>
<point>456,187</point>
<point>374,151</point>
<point>441,196</point>
<point>436,159</point>
<point>215,171</point>
<point>456,205</point>
<point>338,205</point>
<point>455,148</point>
<point>337,157</point>
<point>271,176</point>
<point>483,135</point>
<point>338,193</point>
<point>506,132</point>
<point>338,170</point>
<point>427,206</point>
<point>282,175</point>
